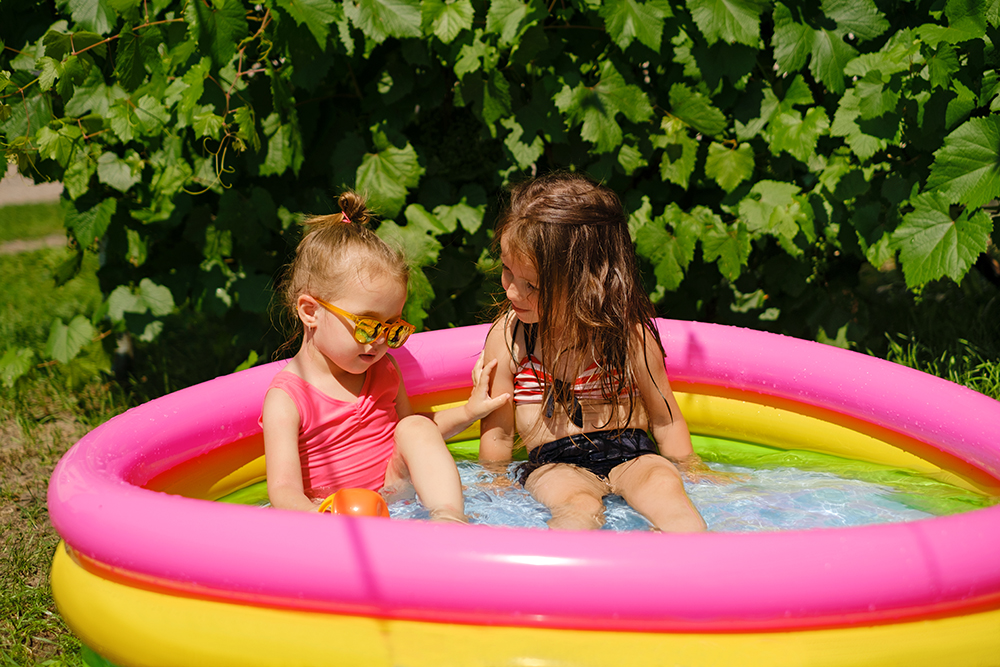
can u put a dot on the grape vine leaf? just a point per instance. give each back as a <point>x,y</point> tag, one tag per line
<point>510,18</point>
<point>845,125</point>
<point>728,20</point>
<point>58,145</point>
<point>93,15</point>
<point>470,217</point>
<point>794,41</point>
<point>727,245</point>
<point>771,207</point>
<point>49,70</point>
<point>966,168</point>
<point>66,340</point>
<point>942,63</point>
<point>630,159</point>
<point>669,251</point>
<point>680,151</point>
<point>932,244</point>
<point>316,15</point>
<point>628,20</point>
<point>798,135</point>
<point>447,19</point>
<point>496,98</point>
<point>387,175</point>
<point>696,110</point>
<point>960,106</point>
<point>381,19</point>
<point>123,120</point>
<point>284,146</point>
<point>729,166</point>
<point>524,154</point>
<point>860,18</point>
<point>218,26</point>
<point>89,226</point>
<point>245,119</point>
<point>81,168</point>
<point>149,297</point>
<point>967,21</point>
<point>16,361</point>
<point>120,174</point>
<point>475,56</point>
<point>597,106</point>
<point>208,124</point>
<point>877,94</point>
<point>421,249</point>
<point>133,50</point>
<point>58,44</point>
<point>151,114</point>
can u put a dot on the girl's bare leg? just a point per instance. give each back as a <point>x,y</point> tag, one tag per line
<point>573,495</point>
<point>421,455</point>
<point>653,487</point>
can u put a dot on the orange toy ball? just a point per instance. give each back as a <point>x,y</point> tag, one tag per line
<point>355,502</point>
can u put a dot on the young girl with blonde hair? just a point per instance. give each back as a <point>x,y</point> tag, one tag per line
<point>578,351</point>
<point>338,416</point>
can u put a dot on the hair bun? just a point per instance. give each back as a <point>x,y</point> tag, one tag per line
<point>354,208</point>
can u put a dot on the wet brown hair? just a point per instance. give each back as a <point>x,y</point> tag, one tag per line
<point>574,232</point>
<point>335,248</point>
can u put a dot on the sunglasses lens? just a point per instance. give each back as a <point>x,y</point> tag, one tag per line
<point>366,331</point>
<point>397,335</point>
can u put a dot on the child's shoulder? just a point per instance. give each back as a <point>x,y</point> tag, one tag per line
<point>505,332</point>
<point>286,376</point>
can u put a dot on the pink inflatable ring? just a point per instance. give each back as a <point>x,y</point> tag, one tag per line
<point>149,576</point>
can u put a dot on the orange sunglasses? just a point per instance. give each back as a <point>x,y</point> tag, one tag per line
<point>368,329</point>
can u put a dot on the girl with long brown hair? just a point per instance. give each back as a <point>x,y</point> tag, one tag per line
<point>577,349</point>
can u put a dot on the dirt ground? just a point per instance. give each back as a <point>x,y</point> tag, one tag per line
<point>16,189</point>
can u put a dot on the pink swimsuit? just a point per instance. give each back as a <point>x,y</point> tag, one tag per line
<point>342,444</point>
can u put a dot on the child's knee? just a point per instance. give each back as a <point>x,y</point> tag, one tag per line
<point>579,510</point>
<point>416,426</point>
<point>648,472</point>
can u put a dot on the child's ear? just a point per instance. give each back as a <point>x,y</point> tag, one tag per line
<point>307,309</point>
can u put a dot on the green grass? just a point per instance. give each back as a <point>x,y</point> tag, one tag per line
<point>39,421</point>
<point>30,221</point>
<point>31,299</point>
<point>40,418</point>
<point>948,330</point>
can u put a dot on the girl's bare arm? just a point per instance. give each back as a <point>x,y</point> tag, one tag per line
<point>669,429</point>
<point>496,442</point>
<point>281,453</point>
<point>452,421</point>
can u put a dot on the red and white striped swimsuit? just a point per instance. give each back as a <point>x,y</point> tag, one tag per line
<point>531,378</point>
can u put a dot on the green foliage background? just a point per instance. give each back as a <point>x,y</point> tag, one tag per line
<point>773,155</point>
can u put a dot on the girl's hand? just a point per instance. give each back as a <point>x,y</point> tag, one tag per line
<point>695,469</point>
<point>480,402</point>
<point>477,370</point>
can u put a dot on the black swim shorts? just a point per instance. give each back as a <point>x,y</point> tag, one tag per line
<point>599,451</point>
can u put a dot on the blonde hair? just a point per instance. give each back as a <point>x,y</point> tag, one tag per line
<point>336,248</point>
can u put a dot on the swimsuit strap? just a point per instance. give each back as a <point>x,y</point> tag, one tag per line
<point>564,389</point>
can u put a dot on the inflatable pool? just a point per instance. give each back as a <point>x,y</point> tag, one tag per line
<point>150,573</point>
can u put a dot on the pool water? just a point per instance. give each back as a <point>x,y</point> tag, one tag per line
<point>771,489</point>
<point>760,499</point>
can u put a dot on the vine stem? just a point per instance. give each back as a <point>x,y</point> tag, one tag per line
<point>110,39</point>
